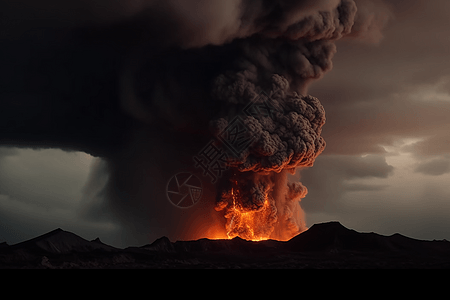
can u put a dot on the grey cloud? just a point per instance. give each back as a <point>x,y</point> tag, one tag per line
<point>354,187</point>
<point>371,20</point>
<point>7,151</point>
<point>434,167</point>
<point>436,145</point>
<point>49,178</point>
<point>330,179</point>
<point>42,190</point>
<point>371,95</point>
<point>351,167</point>
<point>362,127</point>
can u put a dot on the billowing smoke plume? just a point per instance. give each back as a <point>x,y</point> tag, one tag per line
<point>289,51</point>
<point>190,68</point>
<point>286,138</point>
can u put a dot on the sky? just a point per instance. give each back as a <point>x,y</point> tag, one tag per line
<point>387,163</point>
<point>386,167</point>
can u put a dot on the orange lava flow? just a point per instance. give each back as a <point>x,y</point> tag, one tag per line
<point>249,225</point>
<point>246,224</point>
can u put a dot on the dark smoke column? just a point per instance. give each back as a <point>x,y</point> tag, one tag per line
<point>287,137</point>
<point>281,60</point>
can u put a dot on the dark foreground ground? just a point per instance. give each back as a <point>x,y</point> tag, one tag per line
<point>323,246</point>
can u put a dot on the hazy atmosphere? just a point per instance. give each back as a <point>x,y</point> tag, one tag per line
<point>385,168</point>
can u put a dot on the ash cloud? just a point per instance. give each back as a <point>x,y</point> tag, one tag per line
<point>186,63</point>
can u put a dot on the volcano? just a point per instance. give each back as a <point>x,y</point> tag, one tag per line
<point>323,246</point>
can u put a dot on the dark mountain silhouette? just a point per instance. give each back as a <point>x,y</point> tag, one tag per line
<point>160,245</point>
<point>59,241</point>
<point>97,242</point>
<point>327,245</point>
<point>334,237</point>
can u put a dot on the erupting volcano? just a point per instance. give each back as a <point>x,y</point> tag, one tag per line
<point>257,199</point>
<point>281,133</point>
<point>199,118</point>
<point>235,72</point>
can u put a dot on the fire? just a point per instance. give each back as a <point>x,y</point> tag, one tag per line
<point>258,208</point>
<point>253,225</point>
<point>247,225</point>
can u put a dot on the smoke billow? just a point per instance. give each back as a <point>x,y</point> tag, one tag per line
<point>277,47</point>
<point>286,138</point>
<point>191,68</point>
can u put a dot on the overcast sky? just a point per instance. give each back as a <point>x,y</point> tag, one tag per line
<point>387,164</point>
<point>386,167</point>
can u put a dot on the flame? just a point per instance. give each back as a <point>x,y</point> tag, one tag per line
<point>260,214</point>
<point>249,225</point>
<point>246,224</point>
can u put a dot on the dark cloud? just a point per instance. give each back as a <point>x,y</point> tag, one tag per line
<point>331,177</point>
<point>23,15</point>
<point>61,92</point>
<point>434,167</point>
<point>366,124</point>
<point>351,60</point>
<point>68,74</point>
<point>373,95</point>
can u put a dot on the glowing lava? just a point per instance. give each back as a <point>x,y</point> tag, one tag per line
<point>248,225</point>
<point>252,225</point>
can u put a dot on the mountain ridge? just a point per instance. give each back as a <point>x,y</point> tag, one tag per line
<point>328,245</point>
<point>59,241</point>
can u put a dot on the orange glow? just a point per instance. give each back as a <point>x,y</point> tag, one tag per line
<point>247,225</point>
<point>257,216</point>
<point>252,225</point>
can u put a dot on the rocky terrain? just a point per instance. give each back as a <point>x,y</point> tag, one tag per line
<point>323,246</point>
